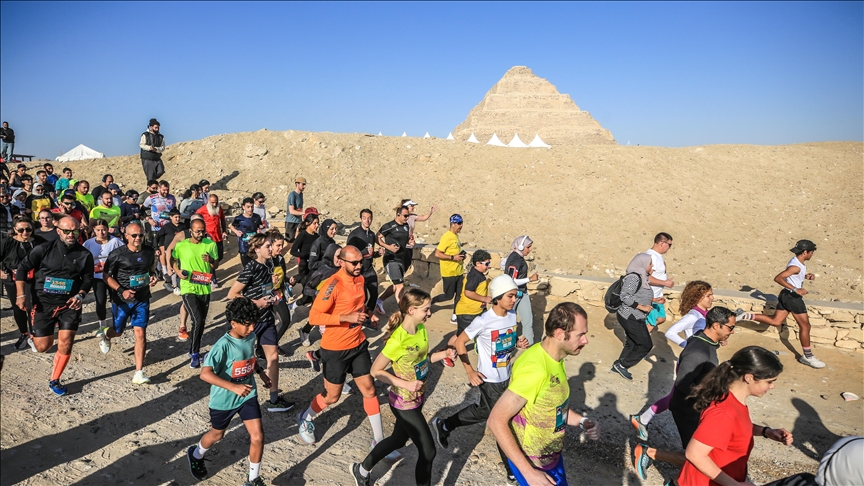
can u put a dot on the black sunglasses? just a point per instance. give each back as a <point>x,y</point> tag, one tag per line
<point>136,235</point>
<point>22,230</point>
<point>69,232</point>
<point>355,263</point>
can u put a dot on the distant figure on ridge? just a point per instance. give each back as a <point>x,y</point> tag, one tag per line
<point>152,145</point>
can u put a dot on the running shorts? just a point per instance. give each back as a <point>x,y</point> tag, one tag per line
<point>336,365</point>
<point>249,410</point>
<point>658,311</point>
<point>463,321</point>
<point>137,314</point>
<point>395,272</point>
<point>557,473</point>
<point>266,332</point>
<point>791,302</point>
<point>44,318</point>
<point>290,230</point>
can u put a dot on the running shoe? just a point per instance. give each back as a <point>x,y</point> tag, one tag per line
<point>160,275</point>
<point>641,461</point>
<point>21,340</point>
<point>182,335</point>
<point>359,480</point>
<point>453,319</point>
<point>100,330</point>
<point>104,345</point>
<point>214,285</point>
<point>139,378</point>
<point>812,361</point>
<point>306,429</point>
<point>281,405</point>
<point>617,368</point>
<point>440,434</point>
<point>177,291</point>
<point>168,287</point>
<point>511,478</point>
<point>641,430</point>
<point>304,338</point>
<point>255,482</point>
<point>196,361</point>
<point>316,364</point>
<point>394,456</point>
<point>57,388</point>
<point>740,315</point>
<point>32,344</point>
<point>346,388</point>
<point>379,306</point>
<point>196,466</point>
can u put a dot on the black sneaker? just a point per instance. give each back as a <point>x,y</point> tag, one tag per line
<point>359,480</point>
<point>22,341</point>
<point>196,466</point>
<point>617,368</point>
<point>255,482</point>
<point>281,405</point>
<point>440,434</point>
<point>511,478</point>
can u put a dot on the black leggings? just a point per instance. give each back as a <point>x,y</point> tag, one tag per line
<point>196,306</point>
<point>452,290</point>
<point>284,318</point>
<point>479,412</point>
<point>20,315</point>
<point>371,285</point>
<point>410,424</point>
<point>637,343</point>
<point>100,291</point>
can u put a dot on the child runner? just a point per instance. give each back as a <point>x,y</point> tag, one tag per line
<point>407,350</point>
<point>100,247</point>
<point>228,368</point>
<point>474,294</point>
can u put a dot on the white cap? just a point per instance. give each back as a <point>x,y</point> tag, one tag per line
<point>501,285</point>
<point>410,203</point>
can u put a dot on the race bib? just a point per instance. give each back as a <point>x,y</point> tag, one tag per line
<point>164,215</point>
<point>201,278</point>
<point>247,236</point>
<point>421,369</point>
<point>503,345</point>
<point>55,285</point>
<point>136,281</point>
<point>561,412</point>
<point>240,370</point>
<point>267,290</point>
<point>98,267</point>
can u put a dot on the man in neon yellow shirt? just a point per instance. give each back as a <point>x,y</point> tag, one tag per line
<point>107,211</point>
<point>530,418</point>
<point>449,251</point>
<point>82,194</point>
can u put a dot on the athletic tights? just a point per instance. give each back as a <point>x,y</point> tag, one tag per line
<point>284,317</point>
<point>196,306</point>
<point>410,424</point>
<point>100,291</point>
<point>20,315</point>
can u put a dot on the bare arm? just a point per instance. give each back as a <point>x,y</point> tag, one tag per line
<point>508,406</point>
<point>475,377</point>
<point>781,279</point>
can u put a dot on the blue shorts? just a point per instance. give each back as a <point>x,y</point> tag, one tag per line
<point>557,473</point>
<point>135,313</point>
<point>249,410</point>
<point>658,311</point>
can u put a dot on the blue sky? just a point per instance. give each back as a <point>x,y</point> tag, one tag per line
<point>668,74</point>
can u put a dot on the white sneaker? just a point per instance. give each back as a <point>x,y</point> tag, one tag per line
<point>304,338</point>
<point>176,291</point>
<point>812,362</point>
<point>306,429</point>
<point>32,344</point>
<point>104,345</point>
<point>379,305</point>
<point>453,319</point>
<point>346,388</point>
<point>139,378</point>
<point>392,457</point>
<point>100,331</point>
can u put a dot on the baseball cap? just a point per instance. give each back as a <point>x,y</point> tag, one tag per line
<point>409,203</point>
<point>456,219</point>
<point>300,179</point>
<point>310,211</point>
<point>803,245</point>
<point>500,285</point>
<point>113,187</point>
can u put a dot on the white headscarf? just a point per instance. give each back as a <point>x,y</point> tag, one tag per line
<point>523,241</point>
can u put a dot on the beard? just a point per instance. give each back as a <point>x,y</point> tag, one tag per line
<point>212,211</point>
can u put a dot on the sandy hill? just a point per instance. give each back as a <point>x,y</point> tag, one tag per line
<point>524,103</point>
<point>734,210</point>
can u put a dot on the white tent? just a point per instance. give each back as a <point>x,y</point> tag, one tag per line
<point>450,136</point>
<point>81,152</point>
<point>404,134</point>
<point>538,143</point>
<point>495,141</point>
<point>517,142</point>
<point>427,135</point>
<point>379,134</point>
<point>473,139</point>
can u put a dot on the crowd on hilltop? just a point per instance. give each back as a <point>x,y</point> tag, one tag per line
<point>63,239</point>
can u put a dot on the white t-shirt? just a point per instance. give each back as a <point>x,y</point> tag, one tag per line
<point>495,341</point>
<point>101,251</point>
<point>796,279</point>
<point>658,272</point>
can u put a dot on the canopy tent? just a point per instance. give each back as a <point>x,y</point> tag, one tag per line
<point>379,134</point>
<point>538,143</point>
<point>450,136</point>
<point>517,142</point>
<point>473,139</point>
<point>81,152</point>
<point>495,141</point>
<point>404,134</point>
<point>427,135</point>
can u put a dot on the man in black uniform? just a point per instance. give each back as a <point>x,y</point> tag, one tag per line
<point>129,272</point>
<point>394,237</point>
<point>63,276</point>
<point>152,145</point>
<point>363,238</point>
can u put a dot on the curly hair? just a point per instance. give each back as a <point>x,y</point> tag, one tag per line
<point>242,310</point>
<point>480,256</point>
<point>692,294</point>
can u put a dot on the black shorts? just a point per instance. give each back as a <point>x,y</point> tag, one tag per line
<point>266,332</point>
<point>249,410</point>
<point>290,230</point>
<point>338,364</point>
<point>45,317</point>
<point>395,272</point>
<point>463,321</point>
<point>791,302</point>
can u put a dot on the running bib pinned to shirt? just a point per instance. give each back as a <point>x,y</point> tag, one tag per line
<point>136,281</point>
<point>561,413</point>
<point>201,278</point>
<point>421,370</point>
<point>164,215</point>
<point>248,236</point>
<point>503,343</point>
<point>98,267</point>
<point>55,285</point>
<point>240,370</point>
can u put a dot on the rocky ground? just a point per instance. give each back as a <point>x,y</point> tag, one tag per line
<point>108,431</point>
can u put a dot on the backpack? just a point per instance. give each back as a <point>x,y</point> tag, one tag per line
<point>612,299</point>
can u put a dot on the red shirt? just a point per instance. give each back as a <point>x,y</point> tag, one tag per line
<point>213,223</point>
<point>725,426</point>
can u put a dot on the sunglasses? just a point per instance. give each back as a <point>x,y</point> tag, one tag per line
<point>731,328</point>
<point>70,232</point>
<point>24,230</point>
<point>405,215</point>
<point>487,263</point>
<point>198,232</point>
<point>136,235</point>
<point>354,263</point>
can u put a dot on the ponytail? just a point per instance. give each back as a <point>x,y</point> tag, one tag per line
<point>751,360</point>
<point>411,298</point>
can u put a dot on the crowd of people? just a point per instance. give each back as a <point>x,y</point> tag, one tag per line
<point>65,241</point>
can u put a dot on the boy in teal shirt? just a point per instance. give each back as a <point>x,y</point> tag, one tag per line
<point>228,368</point>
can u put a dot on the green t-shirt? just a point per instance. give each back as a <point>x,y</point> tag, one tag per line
<point>409,354</point>
<point>86,200</point>
<point>450,245</point>
<point>201,273</point>
<point>539,426</point>
<point>111,215</point>
<point>232,359</point>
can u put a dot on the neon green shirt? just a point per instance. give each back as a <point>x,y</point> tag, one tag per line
<point>111,215</point>
<point>86,200</point>
<point>409,354</point>
<point>189,256</point>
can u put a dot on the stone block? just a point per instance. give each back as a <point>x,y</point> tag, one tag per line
<point>846,325</point>
<point>819,340</point>
<point>824,333</point>
<point>817,321</point>
<point>495,261</point>
<point>562,287</point>
<point>841,333</point>
<point>823,310</point>
<point>856,335</point>
<point>841,317</point>
<point>593,292</point>
<point>848,344</point>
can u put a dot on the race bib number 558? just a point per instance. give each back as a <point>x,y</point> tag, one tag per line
<point>240,370</point>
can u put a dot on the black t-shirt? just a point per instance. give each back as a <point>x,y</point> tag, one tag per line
<point>474,279</point>
<point>395,234</point>
<point>131,270</point>
<point>168,231</point>
<point>364,240</point>
<point>696,360</point>
<point>48,235</point>
<point>516,267</point>
<point>303,245</point>
<point>258,281</point>
<point>60,271</point>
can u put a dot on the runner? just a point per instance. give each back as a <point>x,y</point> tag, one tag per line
<point>130,210</point>
<point>129,272</point>
<point>245,226</point>
<point>474,297</point>
<point>364,239</point>
<point>195,261</point>
<point>68,206</point>
<point>721,445</point>
<point>658,279</point>
<point>100,246</point>
<point>49,171</point>
<point>494,335</point>
<point>539,396</point>
<point>256,283</point>
<point>280,269</point>
<point>108,212</point>
<point>260,209</point>
<point>407,350</point>
<point>294,211</point>
<point>182,333</point>
<point>307,233</point>
<point>217,227</point>
<point>63,273</point>
<point>38,201</point>
<point>394,237</point>
<point>326,232</point>
<point>344,348</point>
<point>82,195</point>
<point>204,184</point>
<point>413,218</point>
<point>160,205</point>
<point>97,191</point>
<point>42,178</point>
<point>46,229</point>
<point>450,252</point>
<point>175,225</point>
<point>514,264</point>
<point>696,299</point>
<point>191,201</point>
<point>228,368</point>
<point>791,300</point>
<point>14,248</point>
<point>636,299</point>
<point>316,279</point>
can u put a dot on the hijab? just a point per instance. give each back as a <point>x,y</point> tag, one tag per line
<point>322,230</point>
<point>524,241</point>
<point>639,264</point>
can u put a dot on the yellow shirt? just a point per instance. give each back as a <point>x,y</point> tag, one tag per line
<point>450,245</point>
